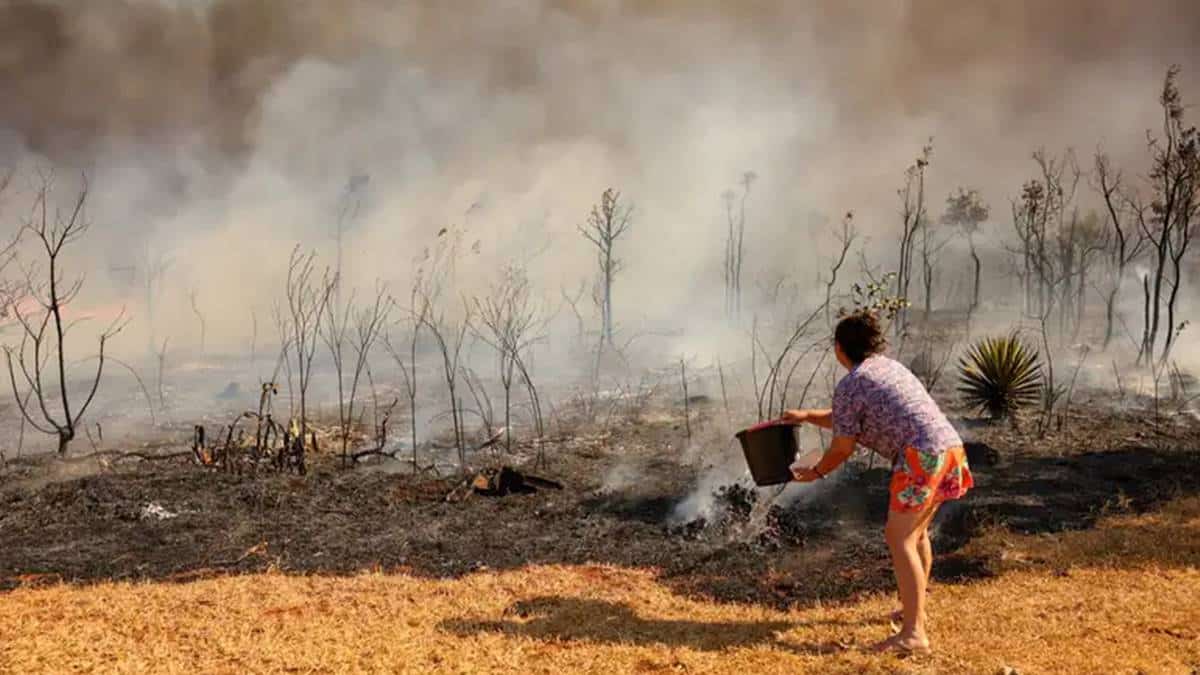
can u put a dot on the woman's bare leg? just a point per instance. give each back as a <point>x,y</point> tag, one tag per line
<point>904,532</point>
<point>925,551</point>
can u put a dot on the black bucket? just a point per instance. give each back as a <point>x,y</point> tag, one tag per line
<point>770,449</point>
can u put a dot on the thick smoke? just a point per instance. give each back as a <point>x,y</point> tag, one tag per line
<point>220,133</point>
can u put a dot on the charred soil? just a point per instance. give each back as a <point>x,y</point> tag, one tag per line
<point>176,521</point>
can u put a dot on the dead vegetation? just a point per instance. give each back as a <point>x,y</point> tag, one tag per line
<point>1040,617</point>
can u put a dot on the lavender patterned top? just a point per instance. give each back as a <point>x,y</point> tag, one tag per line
<point>886,408</point>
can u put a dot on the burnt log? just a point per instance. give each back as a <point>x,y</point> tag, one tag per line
<point>507,481</point>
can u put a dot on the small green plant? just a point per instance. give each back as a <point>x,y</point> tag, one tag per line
<point>876,297</point>
<point>1000,375</point>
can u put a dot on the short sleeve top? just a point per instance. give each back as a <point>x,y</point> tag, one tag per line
<point>886,408</point>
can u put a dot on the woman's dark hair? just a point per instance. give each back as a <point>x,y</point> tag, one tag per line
<point>859,335</point>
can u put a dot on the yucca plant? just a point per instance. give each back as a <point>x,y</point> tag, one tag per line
<point>1000,375</point>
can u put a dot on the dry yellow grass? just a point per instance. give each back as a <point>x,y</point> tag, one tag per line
<point>1074,608</point>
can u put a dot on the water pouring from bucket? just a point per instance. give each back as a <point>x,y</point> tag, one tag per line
<point>772,450</point>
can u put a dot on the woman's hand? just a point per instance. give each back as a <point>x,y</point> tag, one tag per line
<point>805,475</point>
<point>819,418</point>
<point>796,416</point>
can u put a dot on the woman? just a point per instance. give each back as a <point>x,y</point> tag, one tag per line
<point>881,405</point>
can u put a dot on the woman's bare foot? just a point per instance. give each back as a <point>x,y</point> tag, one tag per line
<point>910,643</point>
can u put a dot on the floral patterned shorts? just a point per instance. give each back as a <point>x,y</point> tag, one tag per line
<point>921,478</point>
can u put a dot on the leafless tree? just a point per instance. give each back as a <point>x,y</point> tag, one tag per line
<point>913,217</point>
<point>160,356</point>
<point>735,242</point>
<point>44,331</point>
<point>574,303</point>
<point>776,380</point>
<point>932,244</point>
<point>687,410</point>
<point>606,224</point>
<point>1057,245</point>
<point>349,206</point>
<point>1173,213</point>
<point>449,335</point>
<point>406,358</point>
<point>360,326</point>
<point>966,211</point>
<point>308,296</point>
<point>1126,241</point>
<point>253,338</point>
<point>845,238</point>
<point>11,289</point>
<point>1079,245</point>
<point>508,320</point>
<point>154,265</point>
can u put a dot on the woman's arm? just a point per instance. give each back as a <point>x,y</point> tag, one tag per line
<point>839,451</point>
<point>820,418</point>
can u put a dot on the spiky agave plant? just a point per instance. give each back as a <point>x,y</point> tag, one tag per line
<point>1000,375</point>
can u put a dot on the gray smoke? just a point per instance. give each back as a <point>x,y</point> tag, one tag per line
<point>220,133</point>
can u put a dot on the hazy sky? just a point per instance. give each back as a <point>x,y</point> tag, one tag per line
<point>220,133</point>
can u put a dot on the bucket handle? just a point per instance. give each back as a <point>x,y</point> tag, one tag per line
<point>771,423</point>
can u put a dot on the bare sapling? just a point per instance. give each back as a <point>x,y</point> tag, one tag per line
<point>535,403</point>
<point>1084,351</point>
<point>1126,241</point>
<point>573,301</point>
<point>607,223</point>
<point>913,216</point>
<point>405,357</point>
<point>508,322</point>
<point>381,434</point>
<point>154,270</point>
<point>253,338</point>
<point>929,365</point>
<point>360,326</point>
<point>137,377</point>
<point>1174,214</point>
<point>932,244</point>
<point>308,297</point>
<point>160,360</point>
<point>483,401</point>
<point>44,329</point>
<point>730,262</point>
<point>735,242</point>
<point>1081,245</point>
<point>724,394</point>
<point>765,391</point>
<point>845,238</point>
<point>12,289</point>
<point>283,361</point>
<point>1058,246</point>
<point>203,325</point>
<point>449,336</point>
<point>687,402</point>
<point>1051,390</point>
<point>349,205</point>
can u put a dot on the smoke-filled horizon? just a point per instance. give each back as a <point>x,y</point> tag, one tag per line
<point>220,134</point>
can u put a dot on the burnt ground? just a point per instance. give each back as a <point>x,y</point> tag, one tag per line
<point>175,521</point>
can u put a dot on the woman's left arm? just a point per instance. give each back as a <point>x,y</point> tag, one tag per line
<point>839,451</point>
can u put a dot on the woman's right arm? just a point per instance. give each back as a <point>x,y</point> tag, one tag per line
<point>820,418</point>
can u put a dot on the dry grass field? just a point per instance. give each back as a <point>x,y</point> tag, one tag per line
<point>1121,597</point>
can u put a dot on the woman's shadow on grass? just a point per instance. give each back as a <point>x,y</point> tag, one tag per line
<point>598,621</point>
